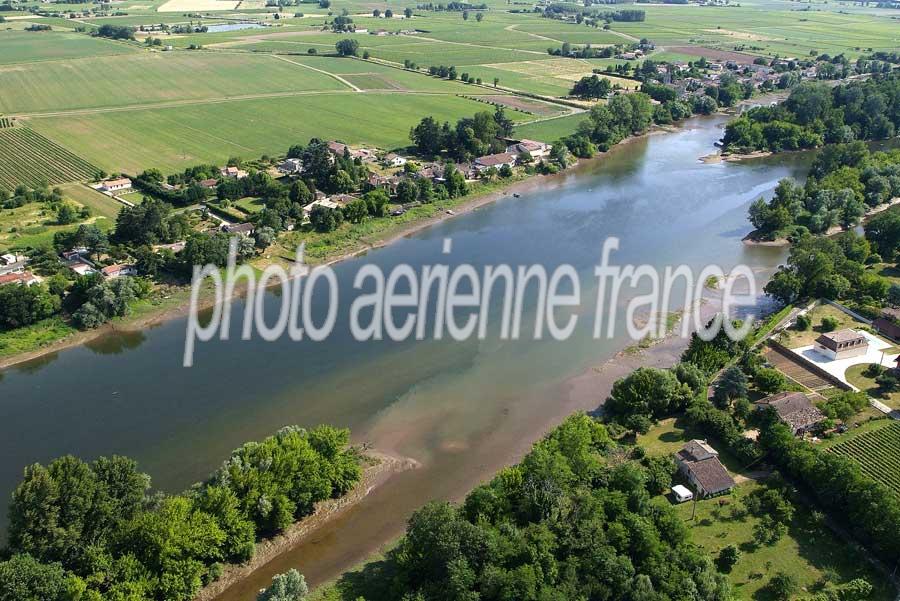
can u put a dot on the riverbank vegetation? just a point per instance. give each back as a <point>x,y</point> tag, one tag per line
<point>816,114</point>
<point>845,182</point>
<point>584,515</point>
<point>82,531</point>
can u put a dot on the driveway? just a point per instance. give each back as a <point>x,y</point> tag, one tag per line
<point>838,368</point>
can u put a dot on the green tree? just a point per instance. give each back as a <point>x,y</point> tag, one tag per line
<point>347,47</point>
<point>290,586</point>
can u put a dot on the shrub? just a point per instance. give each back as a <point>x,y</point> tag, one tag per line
<point>830,323</point>
<point>804,322</point>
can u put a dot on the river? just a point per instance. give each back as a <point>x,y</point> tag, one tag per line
<point>462,409</point>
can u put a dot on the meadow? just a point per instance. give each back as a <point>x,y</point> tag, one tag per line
<point>151,77</point>
<point>176,137</point>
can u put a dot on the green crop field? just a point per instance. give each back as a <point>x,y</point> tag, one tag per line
<point>176,137</point>
<point>148,78</point>
<point>877,452</point>
<point>26,157</point>
<point>26,46</point>
<point>551,129</point>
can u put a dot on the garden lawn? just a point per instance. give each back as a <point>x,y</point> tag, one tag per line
<point>855,376</point>
<point>794,338</point>
<point>550,130</point>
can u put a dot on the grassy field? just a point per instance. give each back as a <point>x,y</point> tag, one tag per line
<point>173,138</point>
<point>151,77</point>
<point>24,340</point>
<point>868,385</point>
<point>25,47</point>
<point>33,224</point>
<point>551,129</point>
<point>29,158</point>
<point>877,451</point>
<point>809,551</point>
<point>765,32</point>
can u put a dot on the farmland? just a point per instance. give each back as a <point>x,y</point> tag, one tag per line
<point>25,47</point>
<point>147,78</point>
<point>177,137</point>
<point>27,157</point>
<point>877,451</point>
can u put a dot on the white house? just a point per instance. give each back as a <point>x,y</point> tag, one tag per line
<point>114,271</point>
<point>536,150</point>
<point>115,185</point>
<point>290,166</point>
<point>394,160</point>
<point>494,161</point>
<point>842,344</point>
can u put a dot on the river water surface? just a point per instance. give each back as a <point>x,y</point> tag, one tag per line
<point>461,409</point>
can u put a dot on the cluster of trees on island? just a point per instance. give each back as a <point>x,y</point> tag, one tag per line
<point>93,531</point>
<point>845,181</point>
<point>815,114</point>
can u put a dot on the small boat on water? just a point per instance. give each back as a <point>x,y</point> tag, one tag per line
<point>515,195</point>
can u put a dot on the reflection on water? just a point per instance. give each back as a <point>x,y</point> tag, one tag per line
<point>116,343</point>
<point>461,409</point>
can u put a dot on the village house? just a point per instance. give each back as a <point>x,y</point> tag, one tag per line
<point>342,200</point>
<point>208,184</point>
<point>379,182</point>
<point>842,344</point>
<point>337,148</point>
<point>233,172</point>
<point>9,259</point>
<point>494,161</point>
<point>888,323</point>
<point>291,166</point>
<point>241,229</point>
<point>394,160</point>
<point>19,277</point>
<point>700,464</point>
<point>794,409</point>
<point>116,185</point>
<point>536,150</point>
<point>363,154</point>
<point>74,254</point>
<point>81,267</point>
<point>115,271</point>
<point>319,202</point>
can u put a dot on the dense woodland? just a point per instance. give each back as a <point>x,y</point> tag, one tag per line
<point>815,114</point>
<point>845,181</point>
<point>93,531</point>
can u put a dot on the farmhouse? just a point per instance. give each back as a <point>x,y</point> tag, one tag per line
<point>536,150</point>
<point>208,184</point>
<point>888,324</point>
<point>842,344</point>
<point>115,185</point>
<point>394,160</point>
<point>337,148</point>
<point>233,172</point>
<point>700,464</point>
<point>81,267</point>
<point>794,409</point>
<point>290,166</point>
<point>241,229</point>
<point>9,259</point>
<point>319,202</point>
<point>23,277</point>
<point>494,161</point>
<point>115,271</point>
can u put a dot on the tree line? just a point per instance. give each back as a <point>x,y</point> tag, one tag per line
<point>82,531</point>
<point>815,114</point>
<point>845,181</point>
